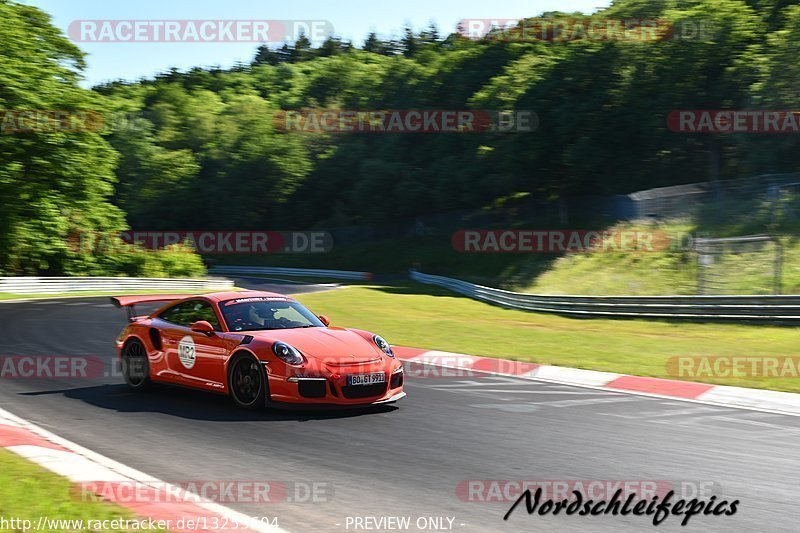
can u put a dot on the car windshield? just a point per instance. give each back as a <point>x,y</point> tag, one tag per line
<point>251,314</point>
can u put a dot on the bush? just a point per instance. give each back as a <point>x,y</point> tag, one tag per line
<point>126,260</point>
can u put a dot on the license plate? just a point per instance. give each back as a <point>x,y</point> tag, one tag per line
<point>366,379</point>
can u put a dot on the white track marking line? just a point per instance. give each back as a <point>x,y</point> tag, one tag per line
<point>621,391</point>
<point>537,406</point>
<point>757,423</point>
<point>675,412</point>
<point>585,401</point>
<point>516,391</point>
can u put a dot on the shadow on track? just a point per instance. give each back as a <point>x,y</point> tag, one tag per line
<point>195,405</point>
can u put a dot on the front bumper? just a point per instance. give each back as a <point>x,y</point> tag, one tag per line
<point>338,406</point>
<point>333,390</point>
<point>399,396</point>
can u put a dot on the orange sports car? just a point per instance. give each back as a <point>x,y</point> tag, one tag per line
<point>261,348</point>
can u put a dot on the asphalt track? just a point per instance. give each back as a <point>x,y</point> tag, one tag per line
<point>408,460</point>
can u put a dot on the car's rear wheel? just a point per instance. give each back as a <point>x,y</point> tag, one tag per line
<point>247,382</point>
<point>135,366</point>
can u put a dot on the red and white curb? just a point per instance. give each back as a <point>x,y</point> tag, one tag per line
<point>83,466</point>
<point>755,399</point>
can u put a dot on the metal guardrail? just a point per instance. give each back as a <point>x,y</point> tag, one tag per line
<point>46,285</point>
<point>303,272</point>
<point>782,308</point>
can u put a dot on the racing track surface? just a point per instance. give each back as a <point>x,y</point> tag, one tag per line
<point>407,460</point>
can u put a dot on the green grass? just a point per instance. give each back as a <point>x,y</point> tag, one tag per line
<point>434,254</point>
<point>410,314</point>
<point>667,272</point>
<point>28,491</point>
<point>673,271</point>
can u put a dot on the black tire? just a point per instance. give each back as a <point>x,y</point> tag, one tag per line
<point>135,365</point>
<point>247,382</point>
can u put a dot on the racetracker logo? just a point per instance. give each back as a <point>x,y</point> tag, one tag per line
<point>734,367</point>
<point>194,491</point>
<point>51,367</point>
<point>197,31</point>
<point>584,29</point>
<point>509,490</point>
<point>733,121</point>
<point>559,241</point>
<point>405,121</point>
<point>452,367</point>
<point>204,242</point>
<point>49,121</point>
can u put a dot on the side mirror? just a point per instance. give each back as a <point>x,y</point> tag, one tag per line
<point>325,320</point>
<point>201,326</point>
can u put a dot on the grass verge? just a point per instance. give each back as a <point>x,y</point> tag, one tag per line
<point>424,316</point>
<point>28,491</point>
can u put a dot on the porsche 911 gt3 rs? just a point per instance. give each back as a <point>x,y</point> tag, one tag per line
<point>261,348</point>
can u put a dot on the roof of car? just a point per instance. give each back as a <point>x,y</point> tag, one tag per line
<point>238,295</point>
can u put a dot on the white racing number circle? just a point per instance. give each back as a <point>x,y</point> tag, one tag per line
<point>186,352</point>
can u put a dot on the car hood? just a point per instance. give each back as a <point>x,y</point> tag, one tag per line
<point>334,345</point>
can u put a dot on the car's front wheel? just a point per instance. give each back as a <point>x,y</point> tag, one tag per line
<point>135,366</point>
<point>247,382</point>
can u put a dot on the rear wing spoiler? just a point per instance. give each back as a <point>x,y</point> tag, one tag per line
<point>129,302</point>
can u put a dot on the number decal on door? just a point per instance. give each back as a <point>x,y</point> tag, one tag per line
<point>186,352</point>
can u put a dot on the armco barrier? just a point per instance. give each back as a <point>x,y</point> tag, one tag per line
<point>42,285</point>
<point>781,309</point>
<point>303,272</point>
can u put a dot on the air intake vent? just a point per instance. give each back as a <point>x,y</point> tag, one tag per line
<point>155,338</point>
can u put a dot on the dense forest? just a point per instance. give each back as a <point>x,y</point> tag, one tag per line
<point>200,149</point>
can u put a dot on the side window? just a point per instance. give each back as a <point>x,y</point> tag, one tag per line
<point>185,313</point>
<point>202,310</point>
<point>177,314</point>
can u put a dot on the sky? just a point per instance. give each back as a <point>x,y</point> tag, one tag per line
<point>350,19</point>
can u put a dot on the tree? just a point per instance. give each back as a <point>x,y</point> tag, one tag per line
<point>302,49</point>
<point>410,43</point>
<point>53,181</point>
<point>266,56</point>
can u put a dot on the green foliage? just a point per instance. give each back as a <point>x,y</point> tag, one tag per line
<point>203,149</point>
<point>56,182</point>
<point>602,107</point>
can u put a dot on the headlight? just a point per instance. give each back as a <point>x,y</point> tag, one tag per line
<point>288,354</point>
<point>383,345</point>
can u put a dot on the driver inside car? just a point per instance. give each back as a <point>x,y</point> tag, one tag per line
<point>260,314</point>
